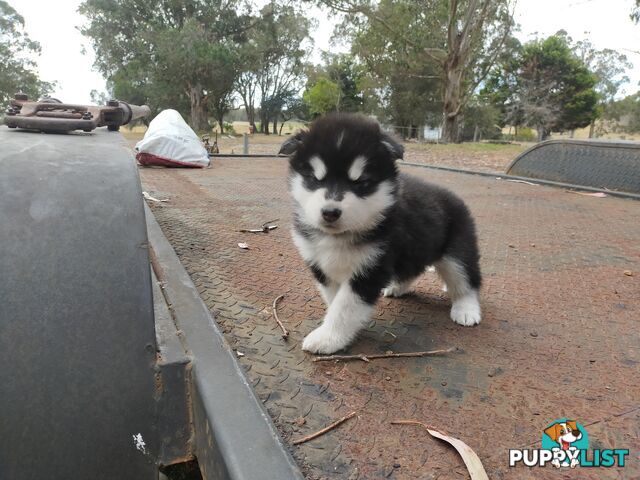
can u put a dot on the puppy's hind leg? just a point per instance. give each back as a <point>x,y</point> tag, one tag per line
<point>397,288</point>
<point>462,283</point>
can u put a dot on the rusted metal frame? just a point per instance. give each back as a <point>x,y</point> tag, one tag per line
<point>51,115</point>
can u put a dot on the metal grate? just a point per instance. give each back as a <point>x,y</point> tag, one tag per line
<point>611,165</point>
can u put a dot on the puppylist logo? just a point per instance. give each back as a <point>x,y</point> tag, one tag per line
<point>565,443</point>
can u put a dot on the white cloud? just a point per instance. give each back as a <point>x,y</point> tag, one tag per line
<point>605,23</point>
<point>53,24</point>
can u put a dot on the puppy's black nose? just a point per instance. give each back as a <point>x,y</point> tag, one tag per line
<point>330,215</point>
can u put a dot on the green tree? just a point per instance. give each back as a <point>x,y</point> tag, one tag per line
<point>344,70</point>
<point>480,120</point>
<point>461,38</point>
<point>273,62</point>
<point>396,85</point>
<point>545,86</point>
<point>171,53</point>
<point>18,72</point>
<point>609,67</point>
<point>322,97</point>
<point>624,113</point>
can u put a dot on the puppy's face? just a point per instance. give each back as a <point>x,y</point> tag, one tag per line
<point>342,173</point>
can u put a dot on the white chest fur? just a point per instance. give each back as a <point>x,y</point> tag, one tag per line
<point>337,256</point>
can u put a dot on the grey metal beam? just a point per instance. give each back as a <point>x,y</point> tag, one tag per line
<point>234,436</point>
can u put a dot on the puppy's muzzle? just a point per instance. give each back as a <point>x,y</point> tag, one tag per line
<point>330,215</point>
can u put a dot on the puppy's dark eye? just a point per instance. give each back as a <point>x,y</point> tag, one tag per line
<point>362,182</point>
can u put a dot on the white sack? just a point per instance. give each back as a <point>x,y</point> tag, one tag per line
<point>169,141</point>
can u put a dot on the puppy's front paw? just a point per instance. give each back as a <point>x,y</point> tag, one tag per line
<point>556,463</point>
<point>466,311</point>
<point>321,340</point>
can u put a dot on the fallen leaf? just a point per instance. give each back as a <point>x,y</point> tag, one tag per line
<point>628,273</point>
<point>522,181</point>
<point>240,354</point>
<point>470,458</point>
<point>243,246</point>
<point>153,199</point>
<point>595,194</point>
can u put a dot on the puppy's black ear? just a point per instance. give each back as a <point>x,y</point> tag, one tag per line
<point>291,144</point>
<point>395,149</point>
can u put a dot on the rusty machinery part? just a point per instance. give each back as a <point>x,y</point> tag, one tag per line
<point>53,116</point>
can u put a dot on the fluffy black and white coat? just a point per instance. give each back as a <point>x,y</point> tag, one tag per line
<point>365,229</point>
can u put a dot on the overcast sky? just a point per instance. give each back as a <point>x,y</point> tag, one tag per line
<point>53,23</point>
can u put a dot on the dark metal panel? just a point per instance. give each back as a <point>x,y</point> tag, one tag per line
<point>172,381</point>
<point>598,164</point>
<point>77,344</point>
<point>234,436</point>
<point>499,176</point>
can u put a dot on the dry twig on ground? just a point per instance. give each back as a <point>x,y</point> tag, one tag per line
<point>285,332</point>
<point>266,227</point>
<point>374,356</point>
<point>324,430</point>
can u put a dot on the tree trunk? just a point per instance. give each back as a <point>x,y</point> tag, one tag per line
<point>221,123</point>
<point>452,99</point>
<point>450,129</point>
<point>275,124</point>
<point>199,112</point>
<point>264,122</point>
<point>476,134</point>
<point>281,126</point>
<point>592,128</point>
<point>251,117</point>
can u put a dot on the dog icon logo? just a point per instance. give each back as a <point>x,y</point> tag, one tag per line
<point>565,443</point>
<point>565,438</point>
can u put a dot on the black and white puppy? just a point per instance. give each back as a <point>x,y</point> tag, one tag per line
<point>365,229</point>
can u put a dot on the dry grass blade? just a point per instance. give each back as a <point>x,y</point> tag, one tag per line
<point>324,430</point>
<point>470,458</point>
<point>285,332</point>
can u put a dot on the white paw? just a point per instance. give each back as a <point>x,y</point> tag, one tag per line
<point>574,463</point>
<point>395,290</point>
<point>556,463</point>
<point>391,292</point>
<point>321,340</point>
<point>466,310</point>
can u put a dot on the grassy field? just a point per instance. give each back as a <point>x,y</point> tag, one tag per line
<point>488,157</point>
<point>472,156</point>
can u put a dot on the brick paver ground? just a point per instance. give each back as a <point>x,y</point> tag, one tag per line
<point>559,338</point>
